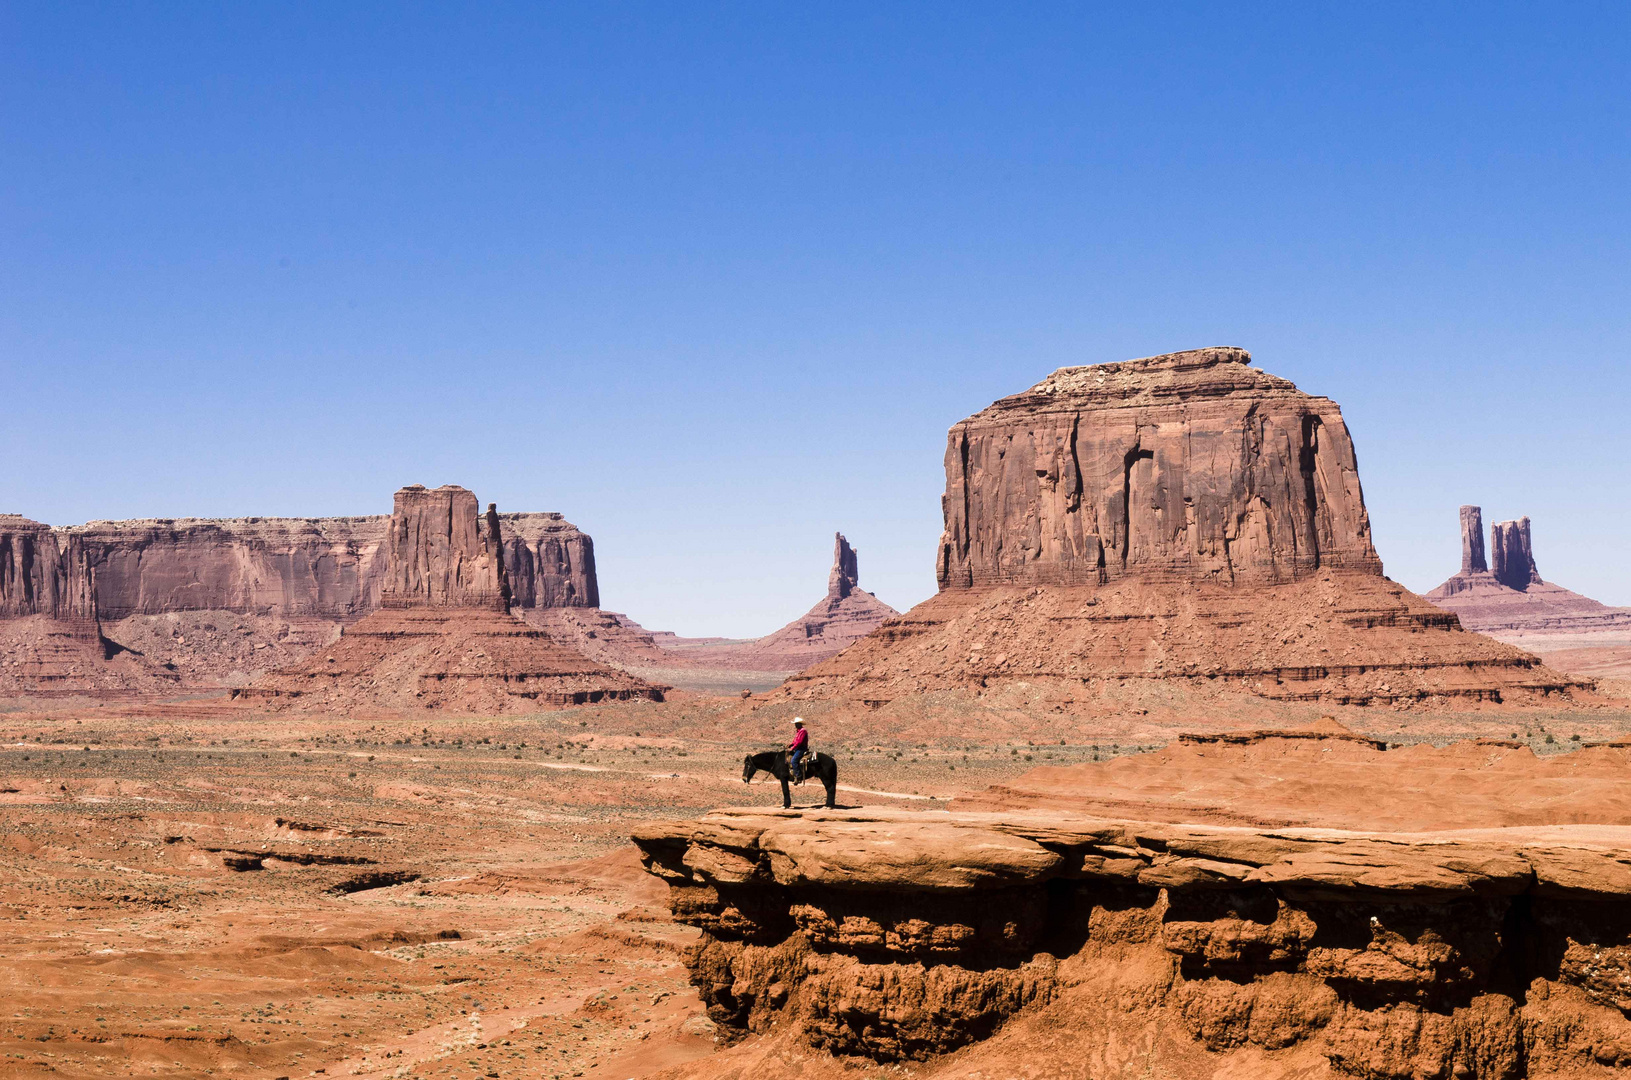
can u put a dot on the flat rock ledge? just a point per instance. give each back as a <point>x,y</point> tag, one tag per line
<point>1492,953</point>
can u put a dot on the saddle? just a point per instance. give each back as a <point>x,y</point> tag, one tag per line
<point>799,773</point>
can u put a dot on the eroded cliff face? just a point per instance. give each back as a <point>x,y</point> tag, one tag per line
<point>262,566</point>
<point>1494,954</point>
<point>297,567</point>
<point>442,553</point>
<point>1191,466</point>
<point>43,572</point>
<point>444,636</point>
<point>551,564</point>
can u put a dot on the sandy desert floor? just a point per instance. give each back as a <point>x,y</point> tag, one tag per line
<point>198,889</point>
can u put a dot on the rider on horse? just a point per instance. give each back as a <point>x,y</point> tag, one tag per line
<point>799,747</point>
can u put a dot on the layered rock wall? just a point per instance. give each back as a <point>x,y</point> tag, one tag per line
<point>262,566</point>
<point>440,553</point>
<point>550,563</point>
<point>43,572</point>
<point>1492,955</point>
<point>329,568</point>
<point>1189,466</point>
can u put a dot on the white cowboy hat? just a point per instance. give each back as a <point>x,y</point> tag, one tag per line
<point>798,719</point>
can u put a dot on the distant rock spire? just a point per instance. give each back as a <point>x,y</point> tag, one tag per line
<point>1514,555</point>
<point>1472,540</point>
<point>845,578</point>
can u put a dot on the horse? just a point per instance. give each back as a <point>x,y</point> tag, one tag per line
<point>817,766</point>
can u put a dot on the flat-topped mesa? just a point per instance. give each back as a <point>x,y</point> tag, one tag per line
<point>444,636</point>
<point>1188,466</point>
<point>1183,519</point>
<point>327,568</point>
<point>440,553</point>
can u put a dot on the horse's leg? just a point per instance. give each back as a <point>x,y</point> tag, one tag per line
<point>830,781</point>
<point>787,796</point>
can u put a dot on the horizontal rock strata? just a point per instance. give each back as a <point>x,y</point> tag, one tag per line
<point>466,659</point>
<point>51,639</point>
<point>1340,637</point>
<point>1489,954</point>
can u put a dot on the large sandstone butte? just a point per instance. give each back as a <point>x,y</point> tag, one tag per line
<point>1182,517</point>
<point>1191,466</point>
<point>1447,913</point>
<point>444,636</point>
<point>1506,595</point>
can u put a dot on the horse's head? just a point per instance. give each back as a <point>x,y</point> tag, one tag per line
<point>748,768</point>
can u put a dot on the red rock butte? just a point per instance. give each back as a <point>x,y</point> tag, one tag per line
<point>1181,517</point>
<point>444,636</point>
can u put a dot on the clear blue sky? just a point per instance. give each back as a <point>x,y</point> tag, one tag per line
<point>714,281</point>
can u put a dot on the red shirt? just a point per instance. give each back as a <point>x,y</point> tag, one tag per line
<point>800,741</point>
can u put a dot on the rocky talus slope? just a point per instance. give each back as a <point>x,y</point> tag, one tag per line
<point>444,636</point>
<point>1183,517</point>
<point>1340,637</point>
<point>1507,597</point>
<point>1071,941</point>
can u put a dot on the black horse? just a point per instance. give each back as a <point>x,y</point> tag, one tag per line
<point>819,767</point>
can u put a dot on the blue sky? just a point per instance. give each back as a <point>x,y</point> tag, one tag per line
<point>714,280</point>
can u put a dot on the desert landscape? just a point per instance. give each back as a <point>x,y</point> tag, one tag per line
<point>1167,780</point>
